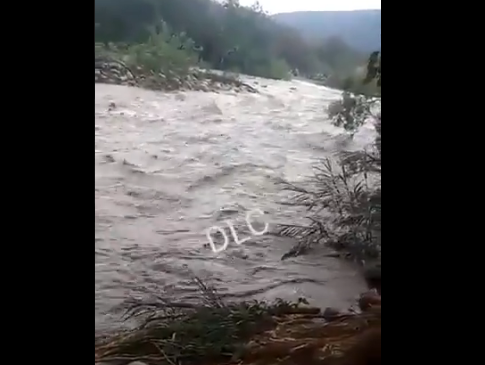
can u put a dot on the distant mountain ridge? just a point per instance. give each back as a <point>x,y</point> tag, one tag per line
<point>360,29</point>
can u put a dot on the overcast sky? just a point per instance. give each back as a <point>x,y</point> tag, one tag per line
<point>282,6</point>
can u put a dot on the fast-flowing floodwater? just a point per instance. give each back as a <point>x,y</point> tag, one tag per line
<point>169,166</point>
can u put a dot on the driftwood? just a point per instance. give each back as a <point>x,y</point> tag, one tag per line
<point>229,80</point>
<point>101,63</point>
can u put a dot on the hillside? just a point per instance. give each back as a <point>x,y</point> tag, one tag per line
<point>220,35</point>
<point>361,29</point>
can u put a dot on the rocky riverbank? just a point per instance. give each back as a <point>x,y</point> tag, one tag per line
<point>115,72</point>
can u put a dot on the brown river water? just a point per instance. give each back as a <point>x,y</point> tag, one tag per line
<point>170,166</point>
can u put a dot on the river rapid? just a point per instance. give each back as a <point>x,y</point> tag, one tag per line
<point>169,166</point>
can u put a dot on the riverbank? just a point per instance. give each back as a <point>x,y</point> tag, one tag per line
<point>214,332</point>
<point>112,71</point>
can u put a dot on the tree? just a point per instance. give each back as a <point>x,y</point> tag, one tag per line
<point>227,36</point>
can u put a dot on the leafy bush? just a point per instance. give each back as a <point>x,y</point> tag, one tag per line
<point>352,111</point>
<point>162,52</point>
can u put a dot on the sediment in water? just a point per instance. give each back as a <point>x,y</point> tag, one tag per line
<point>291,331</point>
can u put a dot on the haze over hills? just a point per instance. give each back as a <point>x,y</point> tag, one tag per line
<point>360,29</point>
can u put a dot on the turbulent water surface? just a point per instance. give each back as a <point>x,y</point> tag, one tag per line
<point>169,166</point>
